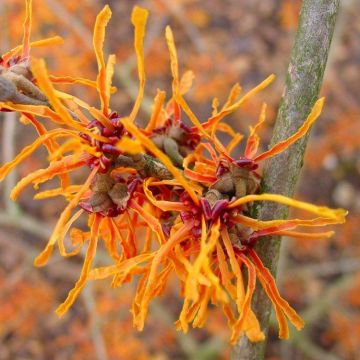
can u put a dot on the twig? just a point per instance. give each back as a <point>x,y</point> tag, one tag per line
<point>8,153</point>
<point>9,127</point>
<point>96,334</point>
<point>320,306</point>
<point>281,173</point>
<point>26,223</point>
<point>309,349</point>
<point>329,268</point>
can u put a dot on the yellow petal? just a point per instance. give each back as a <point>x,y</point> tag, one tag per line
<point>336,214</point>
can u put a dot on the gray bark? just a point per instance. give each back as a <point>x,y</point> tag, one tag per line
<point>303,81</point>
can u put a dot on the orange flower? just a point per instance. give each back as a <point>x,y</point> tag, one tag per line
<point>164,199</point>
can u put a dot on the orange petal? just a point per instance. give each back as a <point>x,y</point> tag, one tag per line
<point>226,275</point>
<point>54,40</point>
<point>124,266</point>
<point>336,214</point>
<point>186,82</point>
<point>161,204</point>
<point>42,259</point>
<point>258,224</point>
<point>28,150</point>
<point>65,165</point>
<point>202,260</point>
<point>156,109</point>
<point>233,95</point>
<point>228,110</point>
<point>253,140</point>
<point>240,292</point>
<point>283,145</point>
<point>270,283</point>
<point>44,83</point>
<point>150,146</point>
<point>98,42</point>
<point>76,80</point>
<point>152,221</point>
<point>57,192</point>
<point>309,236</point>
<point>45,111</point>
<point>138,19</point>
<point>246,308</point>
<point>64,231</point>
<point>161,254</point>
<point>27,30</point>
<point>89,257</point>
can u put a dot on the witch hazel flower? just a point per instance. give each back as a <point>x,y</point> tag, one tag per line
<point>165,199</point>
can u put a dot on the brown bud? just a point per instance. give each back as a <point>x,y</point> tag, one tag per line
<point>252,184</point>
<point>239,233</point>
<point>100,201</point>
<point>225,184</point>
<point>240,187</point>
<point>213,196</point>
<point>177,133</point>
<point>246,182</point>
<point>7,89</point>
<point>172,150</point>
<point>25,86</point>
<point>158,140</point>
<point>22,69</point>
<point>119,194</point>
<point>102,183</point>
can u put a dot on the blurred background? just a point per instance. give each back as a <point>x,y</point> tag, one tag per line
<point>223,42</point>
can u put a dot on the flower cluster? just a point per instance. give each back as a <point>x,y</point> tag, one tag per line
<point>165,199</point>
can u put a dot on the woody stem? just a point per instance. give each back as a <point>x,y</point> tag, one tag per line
<point>303,81</point>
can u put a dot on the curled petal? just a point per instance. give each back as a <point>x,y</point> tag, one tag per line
<point>89,257</point>
<point>151,221</point>
<point>65,165</point>
<point>160,256</point>
<point>282,145</point>
<point>273,293</point>
<point>42,259</point>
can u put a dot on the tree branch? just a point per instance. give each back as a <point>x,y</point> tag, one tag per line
<point>281,173</point>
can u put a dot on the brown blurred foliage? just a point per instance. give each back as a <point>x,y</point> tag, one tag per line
<point>223,42</point>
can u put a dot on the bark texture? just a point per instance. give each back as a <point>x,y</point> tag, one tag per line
<point>303,82</point>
